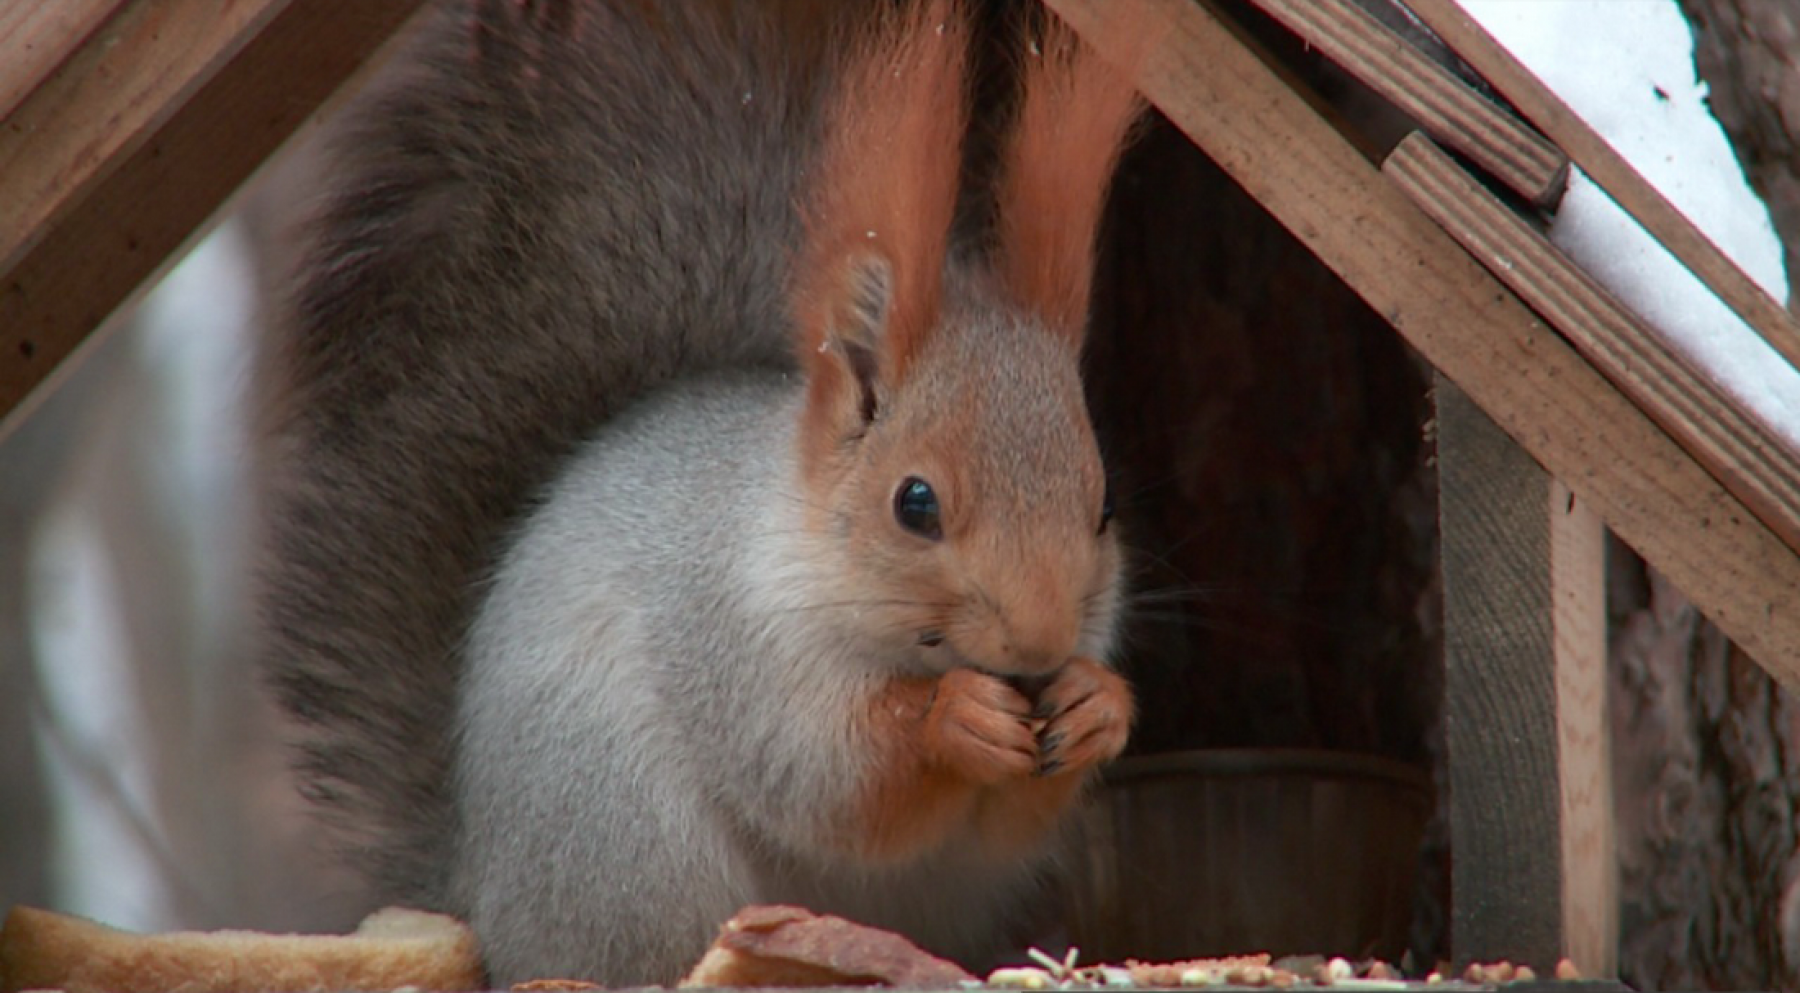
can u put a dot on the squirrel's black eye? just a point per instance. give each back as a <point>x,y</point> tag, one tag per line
<point>916,508</point>
<point>1106,509</point>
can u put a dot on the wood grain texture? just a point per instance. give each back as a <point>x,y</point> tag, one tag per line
<point>38,36</point>
<point>106,100</point>
<point>1525,703</point>
<point>1590,889</point>
<point>1612,173</point>
<point>1735,447</point>
<point>120,157</point>
<point>1654,495</point>
<point>1446,107</point>
<point>1499,692</point>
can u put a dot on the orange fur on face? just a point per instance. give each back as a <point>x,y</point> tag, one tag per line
<point>972,384</point>
<point>1072,124</point>
<point>883,198</point>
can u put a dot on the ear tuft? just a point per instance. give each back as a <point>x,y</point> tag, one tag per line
<point>1074,118</point>
<point>868,299</point>
<point>869,275</point>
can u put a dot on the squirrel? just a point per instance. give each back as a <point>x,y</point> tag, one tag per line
<point>674,506</point>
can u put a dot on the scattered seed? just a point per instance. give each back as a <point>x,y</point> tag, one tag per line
<point>1052,966</point>
<point>1022,978</point>
<point>1381,970</point>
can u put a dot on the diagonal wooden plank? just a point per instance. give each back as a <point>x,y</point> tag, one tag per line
<point>38,37</point>
<point>1540,391</point>
<point>106,100</point>
<point>88,214</point>
<point>1735,447</point>
<point>1447,108</point>
<point>1608,169</point>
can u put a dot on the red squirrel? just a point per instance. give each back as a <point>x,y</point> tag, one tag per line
<point>675,506</point>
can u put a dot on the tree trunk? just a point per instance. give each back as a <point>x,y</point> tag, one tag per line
<point>1705,748</point>
<point>1748,51</point>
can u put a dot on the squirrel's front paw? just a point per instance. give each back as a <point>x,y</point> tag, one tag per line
<point>980,728</point>
<point>1087,712</point>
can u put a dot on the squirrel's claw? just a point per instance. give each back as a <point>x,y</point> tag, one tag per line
<point>1091,710</point>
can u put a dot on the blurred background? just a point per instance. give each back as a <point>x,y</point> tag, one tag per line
<point>140,777</point>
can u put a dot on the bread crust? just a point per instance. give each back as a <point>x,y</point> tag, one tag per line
<point>42,949</point>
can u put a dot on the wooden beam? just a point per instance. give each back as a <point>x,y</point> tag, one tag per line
<point>39,36</point>
<point>1590,867</point>
<point>1446,107</point>
<point>1609,170</point>
<point>1738,450</point>
<point>110,164</point>
<point>1543,394</point>
<point>106,101</point>
<point>1499,692</point>
<point>1524,703</point>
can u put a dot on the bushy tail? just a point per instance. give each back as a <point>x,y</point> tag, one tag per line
<point>546,209</point>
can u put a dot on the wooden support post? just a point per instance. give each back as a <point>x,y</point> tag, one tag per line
<point>1525,704</point>
<point>1590,869</point>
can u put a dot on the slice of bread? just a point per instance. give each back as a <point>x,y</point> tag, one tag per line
<point>40,949</point>
<point>787,946</point>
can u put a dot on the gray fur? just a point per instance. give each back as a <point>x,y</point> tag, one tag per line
<point>698,706</point>
<point>569,656</point>
<point>531,226</point>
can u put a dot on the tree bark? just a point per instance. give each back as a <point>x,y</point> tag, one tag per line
<point>1705,780</point>
<point>1706,745</point>
<point>1748,51</point>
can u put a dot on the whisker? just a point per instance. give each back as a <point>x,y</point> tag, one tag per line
<point>1183,594</point>
<point>831,604</point>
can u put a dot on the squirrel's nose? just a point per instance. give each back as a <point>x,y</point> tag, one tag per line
<point>1039,633</point>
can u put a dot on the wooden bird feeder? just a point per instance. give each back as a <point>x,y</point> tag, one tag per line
<point>127,123</point>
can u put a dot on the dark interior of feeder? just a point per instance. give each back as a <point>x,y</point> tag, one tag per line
<point>1266,434</point>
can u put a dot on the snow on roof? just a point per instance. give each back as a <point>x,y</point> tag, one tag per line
<point>1627,68</point>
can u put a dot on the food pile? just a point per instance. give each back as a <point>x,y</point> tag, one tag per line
<point>762,946</point>
<point>788,946</point>
<point>1248,971</point>
<point>1238,970</point>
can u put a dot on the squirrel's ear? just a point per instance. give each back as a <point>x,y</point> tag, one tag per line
<point>877,217</point>
<point>1074,117</point>
<point>848,362</point>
